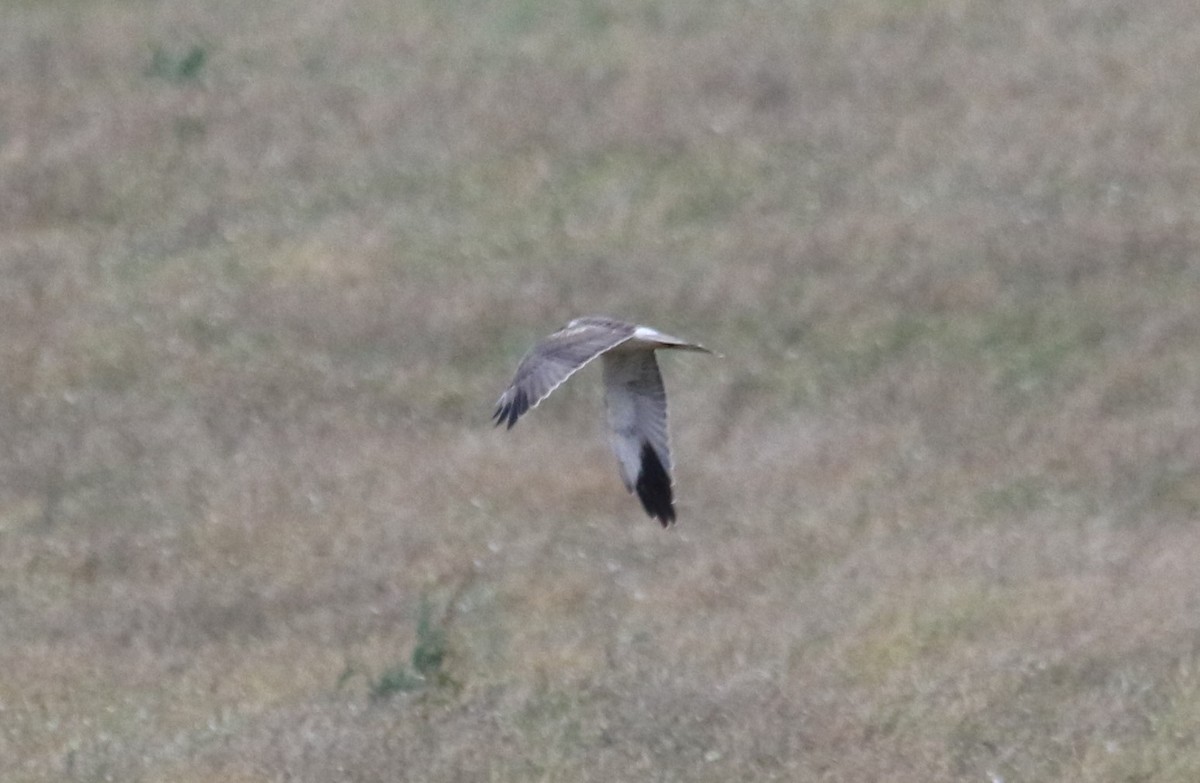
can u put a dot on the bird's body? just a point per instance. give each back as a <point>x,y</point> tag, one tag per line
<point>633,394</point>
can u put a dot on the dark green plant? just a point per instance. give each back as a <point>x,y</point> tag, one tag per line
<point>430,649</point>
<point>424,669</point>
<point>396,680</point>
<point>164,65</point>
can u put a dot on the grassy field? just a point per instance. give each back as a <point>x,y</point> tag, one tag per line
<point>264,268</point>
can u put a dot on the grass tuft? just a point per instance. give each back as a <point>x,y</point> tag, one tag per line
<point>178,69</point>
<point>424,670</point>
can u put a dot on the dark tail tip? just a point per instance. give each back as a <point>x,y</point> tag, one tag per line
<point>654,488</point>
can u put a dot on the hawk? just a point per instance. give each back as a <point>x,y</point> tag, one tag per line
<point>633,394</point>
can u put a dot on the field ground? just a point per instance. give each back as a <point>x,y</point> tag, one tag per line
<point>265,266</point>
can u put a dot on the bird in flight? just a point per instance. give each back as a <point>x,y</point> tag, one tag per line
<point>633,394</point>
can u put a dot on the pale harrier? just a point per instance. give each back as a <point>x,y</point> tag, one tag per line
<point>633,395</point>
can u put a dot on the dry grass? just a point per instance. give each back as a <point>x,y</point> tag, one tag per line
<point>264,266</point>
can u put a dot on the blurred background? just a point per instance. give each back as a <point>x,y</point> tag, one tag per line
<point>265,267</point>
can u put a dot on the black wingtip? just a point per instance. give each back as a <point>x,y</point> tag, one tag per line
<point>520,404</point>
<point>508,412</point>
<point>654,488</point>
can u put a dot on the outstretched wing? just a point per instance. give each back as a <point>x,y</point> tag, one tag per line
<point>637,419</point>
<point>555,359</point>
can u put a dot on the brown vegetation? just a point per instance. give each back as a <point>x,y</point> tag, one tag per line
<point>264,268</point>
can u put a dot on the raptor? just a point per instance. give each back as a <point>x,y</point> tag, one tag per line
<point>633,395</point>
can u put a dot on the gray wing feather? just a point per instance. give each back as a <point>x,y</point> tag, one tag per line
<point>637,418</point>
<point>553,361</point>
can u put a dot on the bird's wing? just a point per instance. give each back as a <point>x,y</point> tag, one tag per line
<point>637,419</point>
<point>553,360</point>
